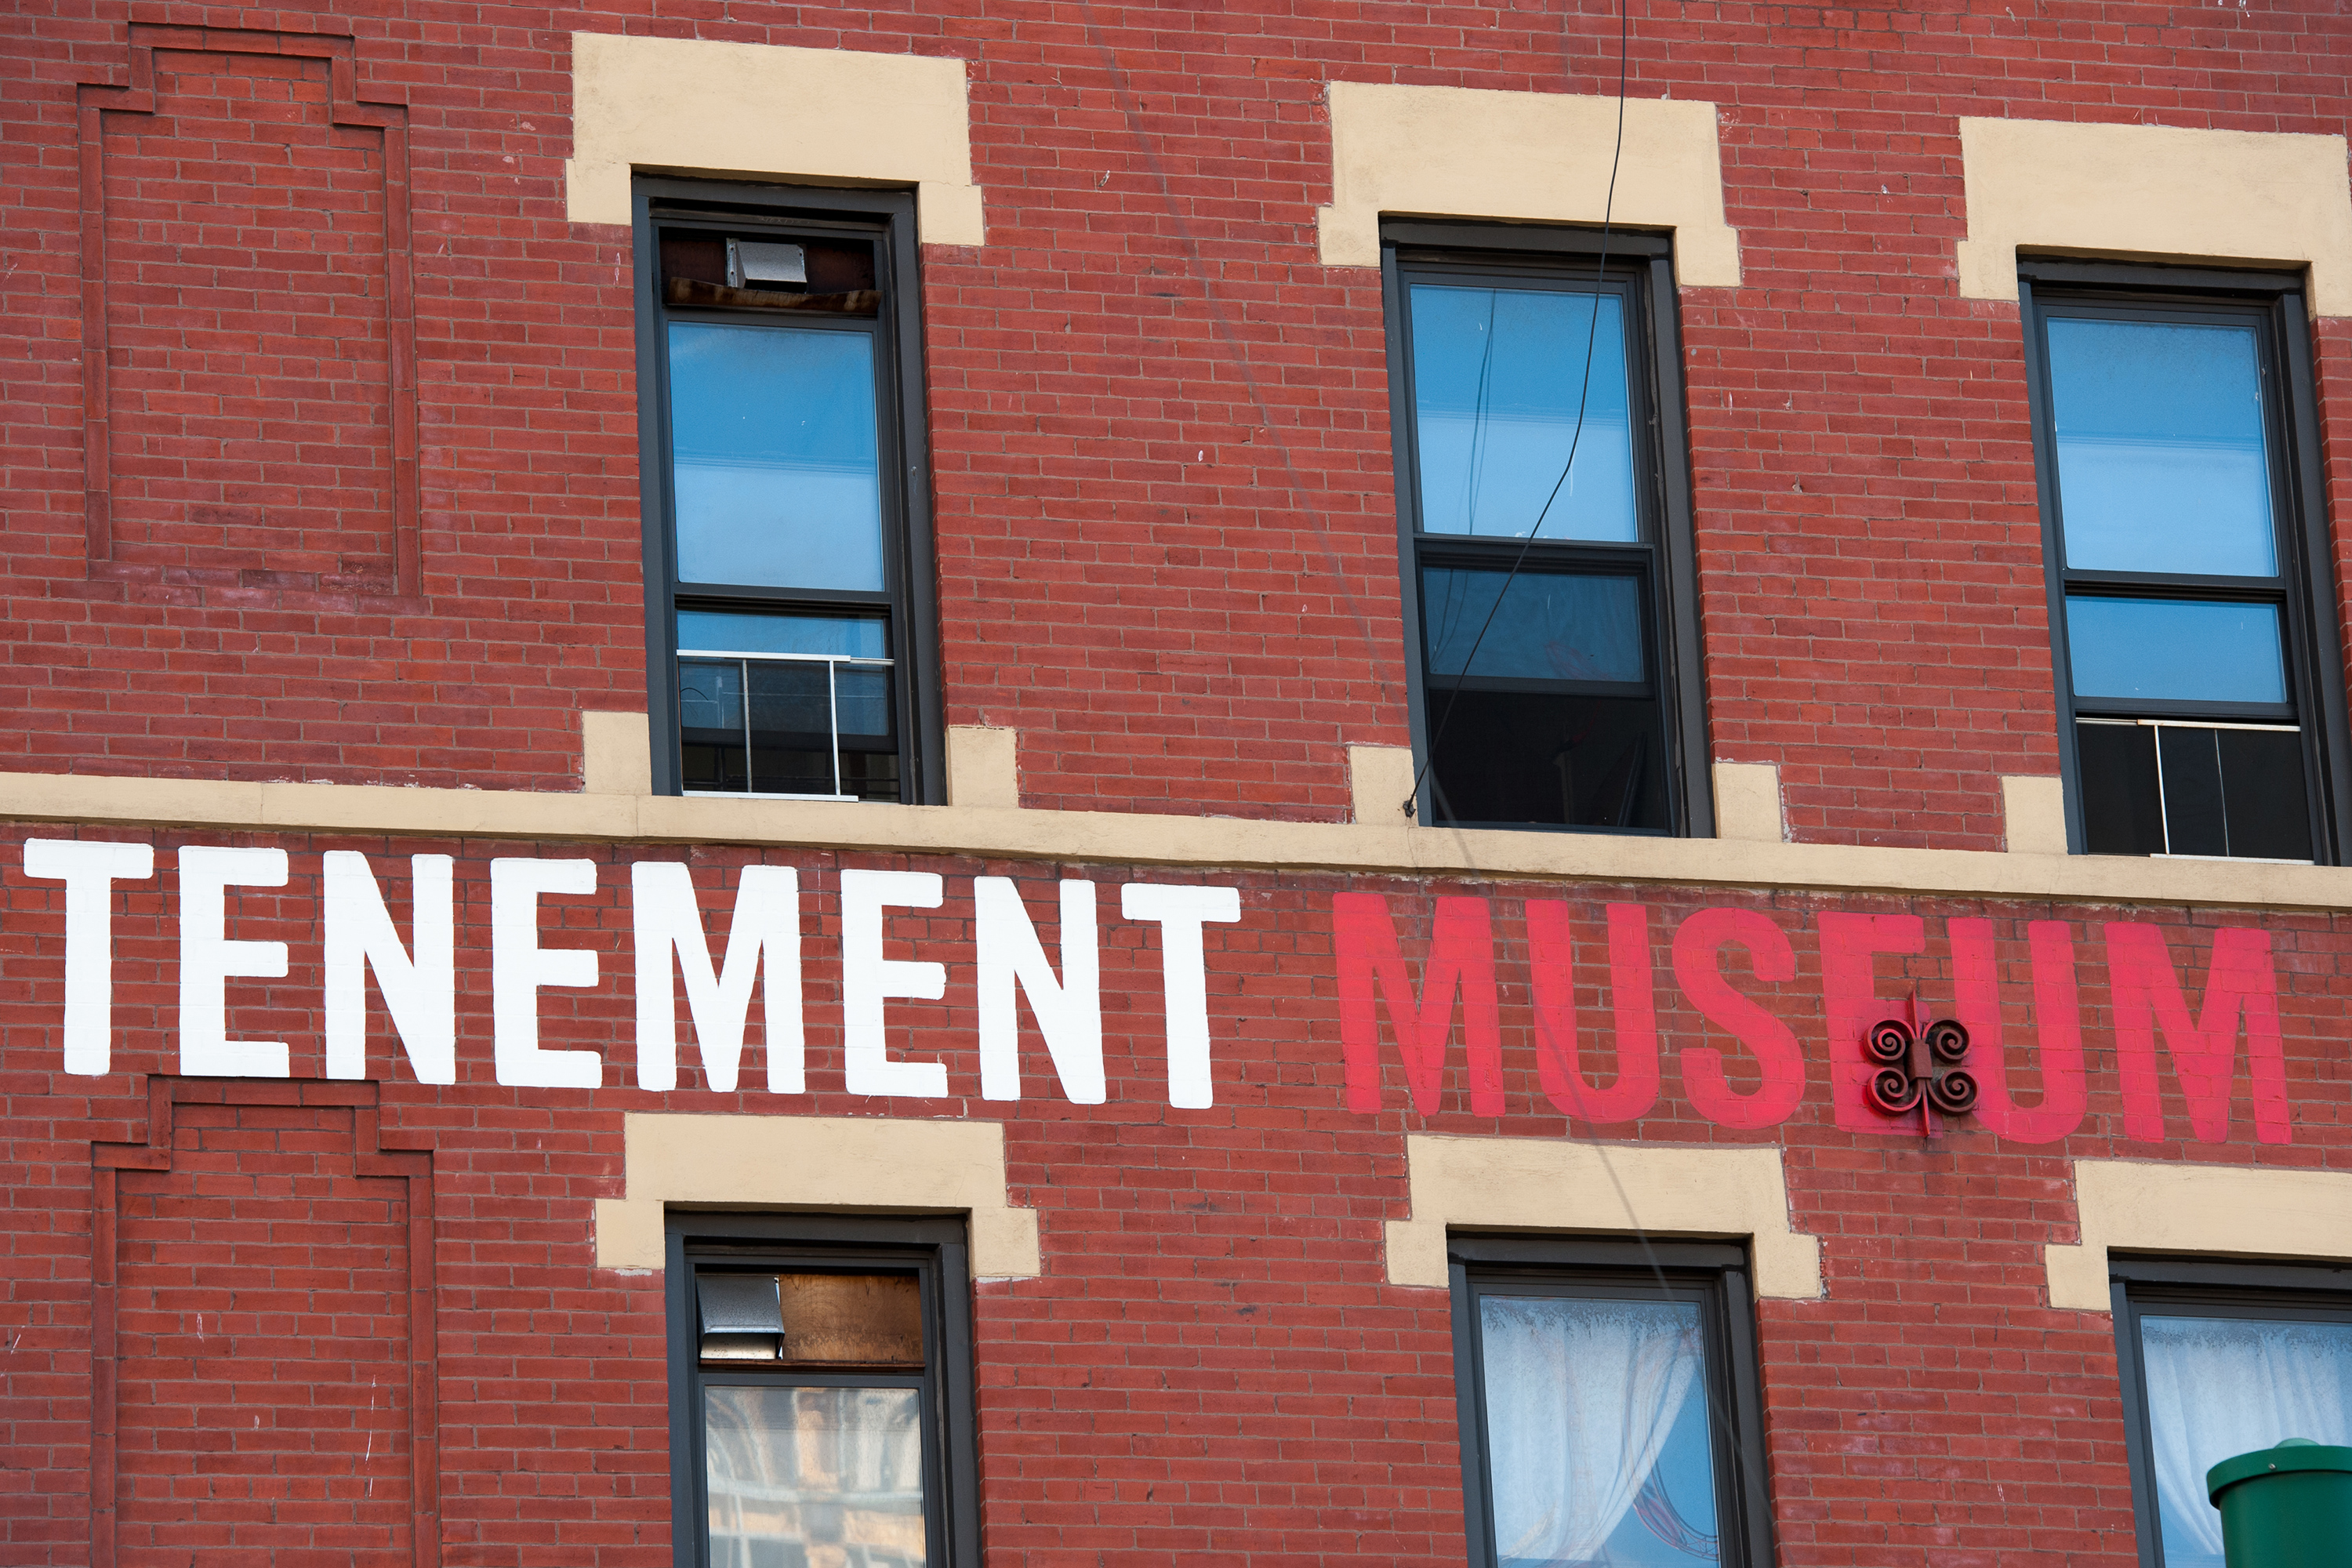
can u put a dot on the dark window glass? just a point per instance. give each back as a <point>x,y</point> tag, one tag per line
<point>1535,535</point>
<point>789,559</point>
<point>2219,1361</point>
<point>2154,788</point>
<point>1609,1411</point>
<point>2182,617</point>
<point>819,1383</point>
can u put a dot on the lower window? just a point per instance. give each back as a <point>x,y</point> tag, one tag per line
<point>2220,1360</point>
<point>1610,1404</point>
<point>821,1403</point>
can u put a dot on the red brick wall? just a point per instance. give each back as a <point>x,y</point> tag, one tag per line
<point>1165,496</point>
<point>1212,1365</point>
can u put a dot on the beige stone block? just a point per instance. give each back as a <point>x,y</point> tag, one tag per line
<point>1748,802</point>
<point>1554,1185</point>
<point>2154,192</point>
<point>983,767</point>
<point>1540,157</point>
<point>696,105</point>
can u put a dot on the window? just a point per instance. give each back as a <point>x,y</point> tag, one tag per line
<point>2220,1360</point>
<point>1609,1403</point>
<point>1548,599</point>
<point>2201,689</point>
<point>820,1392</point>
<point>789,614</point>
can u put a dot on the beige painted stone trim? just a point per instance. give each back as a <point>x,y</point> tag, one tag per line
<point>2033,815</point>
<point>984,766</point>
<point>755,110</point>
<point>2216,1211</point>
<point>1542,157</point>
<point>1748,802</point>
<point>1380,781</point>
<point>2154,192</point>
<point>1553,1184</point>
<point>838,1164</point>
<point>616,753</point>
<point>1123,839</point>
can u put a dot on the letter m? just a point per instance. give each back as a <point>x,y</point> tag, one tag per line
<point>1461,961</point>
<point>2240,982</point>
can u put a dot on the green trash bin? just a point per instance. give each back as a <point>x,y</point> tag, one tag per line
<point>2288,1507</point>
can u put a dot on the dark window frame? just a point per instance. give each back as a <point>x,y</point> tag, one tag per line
<point>2180,1287</point>
<point>1640,265</point>
<point>911,587</point>
<point>2312,637</point>
<point>1714,1274</point>
<point>936,1248</point>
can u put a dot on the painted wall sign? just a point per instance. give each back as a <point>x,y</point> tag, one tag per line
<point>1739,1064</point>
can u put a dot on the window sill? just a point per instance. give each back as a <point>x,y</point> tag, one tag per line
<point>1135,838</point>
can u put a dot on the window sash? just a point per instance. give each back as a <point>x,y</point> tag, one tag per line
<point>2165,1287</point>
<point>1639,275</point>
<point>884,221</point>
<point>2268,307</point>
<point>934,1250</point>
<point>1712,1276</point>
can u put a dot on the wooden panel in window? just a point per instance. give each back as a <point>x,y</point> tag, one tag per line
<point>853,1319</point>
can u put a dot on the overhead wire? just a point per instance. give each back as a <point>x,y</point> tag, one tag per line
<point>1576,435</point>
<point>1719,1419</point>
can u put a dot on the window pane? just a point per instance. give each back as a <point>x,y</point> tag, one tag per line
<point>2217,1388</point>
<point>792,728</point>
<point>2191,766</point>
<point>711,755</point>
<point>1552,625</point>
<point>2174,650</point>
<point>864,696</point>
<point>2162,459</point>
<point>2266,810</point>
<point>1497,375</point>
<point>844,637</point>
<point>1536,757</point>
<point>814,1476</point>
<point>773,457</point>
<point>1597,1438</point>
<point>2123,806</point>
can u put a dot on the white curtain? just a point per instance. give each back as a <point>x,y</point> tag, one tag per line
<point>1581,1394</point>
<point>2218,1387</point>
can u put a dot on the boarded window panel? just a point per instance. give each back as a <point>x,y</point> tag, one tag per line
<point>853,1319</point>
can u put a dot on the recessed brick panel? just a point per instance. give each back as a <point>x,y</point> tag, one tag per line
<point>262,1409</point>
<point>248,381</point>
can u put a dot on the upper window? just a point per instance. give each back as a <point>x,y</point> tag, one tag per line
<point>821,1384</point>
<point>1610,1411</point>
<point>2198,678</point>
<point>1545,530</point>
<point>789,609</point>
<point>2218,1360</point>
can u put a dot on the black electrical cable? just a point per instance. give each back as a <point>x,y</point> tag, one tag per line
<point>1719,1420</point>
<point>1576,435</point>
